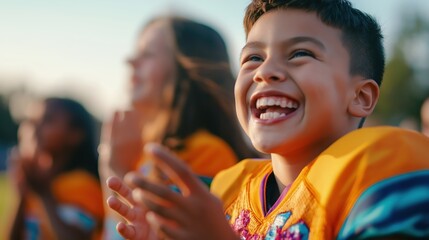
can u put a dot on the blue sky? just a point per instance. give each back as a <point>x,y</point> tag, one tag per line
<point>55,46</point>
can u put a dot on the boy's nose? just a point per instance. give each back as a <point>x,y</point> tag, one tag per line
<point>269,70</point>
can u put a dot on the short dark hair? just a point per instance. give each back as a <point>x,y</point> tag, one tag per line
<point>361,34</point>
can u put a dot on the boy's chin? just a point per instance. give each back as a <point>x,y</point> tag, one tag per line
<point>268,141</point>
<point>266,147</point>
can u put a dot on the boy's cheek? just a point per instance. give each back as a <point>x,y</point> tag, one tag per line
<point>242,117</point>
<point>242,91</point>
<point>238,90</point>
<point>241,100</point>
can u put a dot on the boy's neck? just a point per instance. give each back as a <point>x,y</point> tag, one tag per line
<point>287,170</point>
<point>287,167</point>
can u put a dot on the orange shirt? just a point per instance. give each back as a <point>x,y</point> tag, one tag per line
<point>80,202</point>
<point>370,183</point>
<point>205,153</point>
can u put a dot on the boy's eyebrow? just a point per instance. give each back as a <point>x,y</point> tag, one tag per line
<point>252,45</point>
<point>300,39</point>
<point>290,41</point>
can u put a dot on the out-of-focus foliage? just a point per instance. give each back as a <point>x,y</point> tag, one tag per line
<point>8,132</point>
<point>406,80</point>
<point>8,126</point>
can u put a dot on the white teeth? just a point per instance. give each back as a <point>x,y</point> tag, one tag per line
<point>261,102</point>
<point>264,103</point>
<point>271,115</point>
<point>275,101</point>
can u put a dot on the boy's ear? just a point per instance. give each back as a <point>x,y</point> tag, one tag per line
<point>365,98</point>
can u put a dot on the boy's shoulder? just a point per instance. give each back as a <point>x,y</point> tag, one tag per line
<point>363,150</point>
<point>369,155</point>
<point>227,182</point>
<point>368,171</point>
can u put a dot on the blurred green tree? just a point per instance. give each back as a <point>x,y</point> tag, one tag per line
<point>8,127</point>
<point>406,84</point>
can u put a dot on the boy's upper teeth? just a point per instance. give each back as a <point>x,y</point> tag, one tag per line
<point>275,101</point>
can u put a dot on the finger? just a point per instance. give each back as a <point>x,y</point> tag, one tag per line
<point>158,192</point>
<point>130,116</point>
<point>175,169</point>
<point>121,208</point>
<point>171,213</point>
<point>126,231</point>
<point>126,116</point>
<point>154,223</point>
<point>118,186</point>
<point>117,117</point>
<point>163,228</point>
<point>172,232</point>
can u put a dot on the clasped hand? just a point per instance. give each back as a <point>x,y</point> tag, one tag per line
<point>153,211</point>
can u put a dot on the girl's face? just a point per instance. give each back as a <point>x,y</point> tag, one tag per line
<point>52,130</point>
<point>153,68</point>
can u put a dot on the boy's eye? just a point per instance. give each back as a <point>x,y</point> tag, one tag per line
<point>253,58</point>
<point>301,53</point>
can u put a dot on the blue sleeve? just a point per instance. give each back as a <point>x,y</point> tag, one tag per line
<point>398,206</point>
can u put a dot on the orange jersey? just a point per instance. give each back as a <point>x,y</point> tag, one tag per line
<point>80,203</point>
<point>373,182</point>
<point>205,153</point>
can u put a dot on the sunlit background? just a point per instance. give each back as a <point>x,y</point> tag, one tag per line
<point>77,49</point>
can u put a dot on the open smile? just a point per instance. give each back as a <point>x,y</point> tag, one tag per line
<point>272,107</point>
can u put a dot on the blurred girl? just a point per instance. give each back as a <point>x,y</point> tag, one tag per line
<point>182,89</point>
<point>55,171</point>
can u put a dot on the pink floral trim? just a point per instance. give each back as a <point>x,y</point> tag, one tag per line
<point>298,231</point>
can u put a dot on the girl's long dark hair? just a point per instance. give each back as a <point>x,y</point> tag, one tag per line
<point>85,155</point>
<point>203,95</point>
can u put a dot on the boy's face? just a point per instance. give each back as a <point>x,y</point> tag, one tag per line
<point>294,87</point>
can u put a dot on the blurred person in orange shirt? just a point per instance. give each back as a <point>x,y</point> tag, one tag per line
<point>181,95</point>
<point>54,169</point>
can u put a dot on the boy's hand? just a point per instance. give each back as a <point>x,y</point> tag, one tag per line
<point>136,226</point>
<point>192,214</point>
